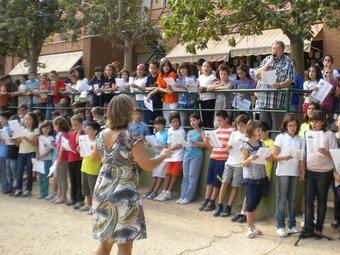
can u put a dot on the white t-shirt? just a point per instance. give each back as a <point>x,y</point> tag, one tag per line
<point>141,83</point>
<point>179,153</point>
<point>306,86</point>
<point>45,146</point>
<point>289,167</point>
<point>236,140</point>
<point>23,99</point>
<point>205,81</point>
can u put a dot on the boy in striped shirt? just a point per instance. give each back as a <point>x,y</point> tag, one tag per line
<point>218,157</point>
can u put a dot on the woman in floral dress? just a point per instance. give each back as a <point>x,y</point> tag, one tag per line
<point>118,212</point>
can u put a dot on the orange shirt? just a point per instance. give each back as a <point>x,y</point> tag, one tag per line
<point>168,99</point>
<point>43,86</point>
<point>4,100</point>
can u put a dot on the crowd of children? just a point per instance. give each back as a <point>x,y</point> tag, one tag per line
<point>235,142</point>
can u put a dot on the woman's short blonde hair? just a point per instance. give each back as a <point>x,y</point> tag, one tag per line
<point>119,112</point>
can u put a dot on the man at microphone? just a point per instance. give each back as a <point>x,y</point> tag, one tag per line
<point>284,67</point>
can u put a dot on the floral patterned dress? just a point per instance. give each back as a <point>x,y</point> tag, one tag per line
<point>118,212</point>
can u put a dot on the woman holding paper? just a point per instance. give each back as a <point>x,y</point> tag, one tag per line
<point>117,210</point>
<point>287,145</point>
<point>319,171</point>
<point>27,148</point>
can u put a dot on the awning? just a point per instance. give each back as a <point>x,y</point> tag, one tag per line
<point>215,51</point>
<point>62,63</point>
<point>262,44</point>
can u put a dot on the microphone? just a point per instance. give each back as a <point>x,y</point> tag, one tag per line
<point>274,55</point>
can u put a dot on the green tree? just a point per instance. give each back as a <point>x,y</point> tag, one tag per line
<point>122,22</point>
<point>196,22</point>
<point>26,24</point>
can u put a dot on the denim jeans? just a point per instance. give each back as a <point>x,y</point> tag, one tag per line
<point>286,193</point>
<point>11,172</point>
<point>191,172</point>
<point>25,160</point>
<point>4,183</point>
<point>317,186</point>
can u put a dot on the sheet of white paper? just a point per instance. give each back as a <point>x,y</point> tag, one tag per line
<point>314,140</point>
<point>295,153</point>
<point>65,144</point>
<point>120,84</point>
<point>236,150</point>
<point>68,87</point>
<point>147,104</point>
<point>52,169</point>
<point>213,139</point>
<point>96,86</point>
<point>191,84</point>
<point>174,88</point>
<point>14,126</point>
<point>263,153</point>
<point>151,139</point>
<point>38,166</point>
<point>83,94</point>
<point>43,95</point>
<point>241,104</point>
<point>45,141</point>
<point>131,79</point>
<point>268,77</point>
<point>178,139</point>
<point>84,145</point>
<point>170,81</point>
<point>323,90</point>
<point>5,136</point>
<point>335,153</point>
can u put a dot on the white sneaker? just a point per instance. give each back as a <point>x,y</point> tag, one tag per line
<point>159,196</point>
<point>294,231</point>
<point>179,201</point>
<point>167,196</point>
<point>256,231</point>
<point>250,233</point>
<point>185,201</point>
<point>281,232</point>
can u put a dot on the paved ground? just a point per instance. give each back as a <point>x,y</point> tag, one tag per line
<point>31,226</point>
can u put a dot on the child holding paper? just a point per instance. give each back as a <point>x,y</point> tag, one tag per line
<point>192,161</point>
<point>327,104</point>
<point>174,163</point>
<point>287,172</point>
<point>75,162</point>
<point>60,124</point>
<point>44,153</point>
<point>5,188</point>
<point>12,152</point>
<point>89,169</point>
<point>97,82</point>
<point>318,175</point>
<point>217,160</point>
<point>139,85</point>
<point>233,172</point>
<point>254,175</point>
<point>158,174</point>
<point>27,148</point>
<point>314,76</point>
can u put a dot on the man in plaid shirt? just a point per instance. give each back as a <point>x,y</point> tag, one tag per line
<point>284,67</point>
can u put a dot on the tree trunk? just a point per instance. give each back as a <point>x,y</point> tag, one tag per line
<point>128,54</point>
<point>297,53</point>
<point>33,60</point>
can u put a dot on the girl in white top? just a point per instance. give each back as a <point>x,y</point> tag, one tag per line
<point>314,75</point>
<point>22,98</point>
<point>44,153</point>
<point>82,86</point>
<point>287,147</point>
<point>207,99</point>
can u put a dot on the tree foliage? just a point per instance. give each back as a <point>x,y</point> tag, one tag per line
<point>196,22</point>
<point>26,24</point>
<point>122,22</point>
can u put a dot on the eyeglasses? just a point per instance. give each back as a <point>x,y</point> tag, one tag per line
<point>291,126</point>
